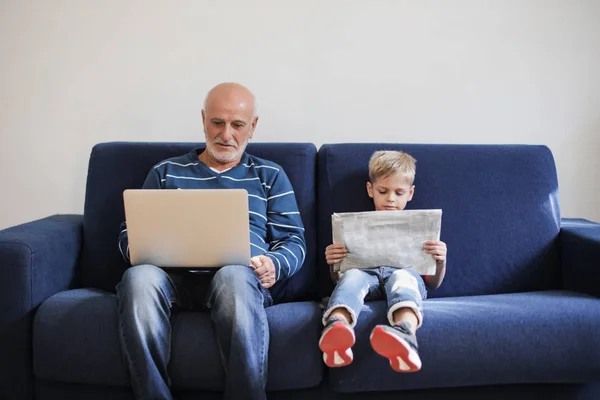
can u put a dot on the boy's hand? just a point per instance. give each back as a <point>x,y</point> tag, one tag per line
<point>437,249</point>
<point>334,253</point>
<point>264,269</point>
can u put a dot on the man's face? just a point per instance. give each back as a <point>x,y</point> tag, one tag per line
<point>390,192</point>
<point>229,124</point>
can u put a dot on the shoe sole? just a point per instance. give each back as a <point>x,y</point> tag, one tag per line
<point>401,355</point>
<point>336,343</point>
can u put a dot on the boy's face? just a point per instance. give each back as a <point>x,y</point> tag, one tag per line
<point>390,192</point>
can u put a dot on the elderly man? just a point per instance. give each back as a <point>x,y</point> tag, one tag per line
<point>237,294</point>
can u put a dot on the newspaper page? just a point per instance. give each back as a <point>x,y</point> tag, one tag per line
<point>387,238</point>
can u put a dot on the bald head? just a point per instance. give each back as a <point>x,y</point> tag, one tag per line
<point>229,118</point>
<point>231,94</point>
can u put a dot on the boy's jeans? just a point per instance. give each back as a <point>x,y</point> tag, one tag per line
<point>237,301</point>
<point>402,287</point>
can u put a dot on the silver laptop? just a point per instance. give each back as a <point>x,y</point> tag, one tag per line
<point>195,228</point>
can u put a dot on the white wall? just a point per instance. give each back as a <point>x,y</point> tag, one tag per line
<point>77,72</point>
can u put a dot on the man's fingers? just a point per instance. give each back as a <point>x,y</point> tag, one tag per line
<point>263,271</point>
<point>268,285</point>
<point>255,262</point>
<point>267,279</point>
<point>260,271</point>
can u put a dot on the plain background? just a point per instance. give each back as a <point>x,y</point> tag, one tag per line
<point>77,72</point>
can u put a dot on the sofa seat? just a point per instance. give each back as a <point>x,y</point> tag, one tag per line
<point>75,340</point>
<point>535,337</point>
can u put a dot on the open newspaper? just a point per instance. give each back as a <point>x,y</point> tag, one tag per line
<point>387,238</point>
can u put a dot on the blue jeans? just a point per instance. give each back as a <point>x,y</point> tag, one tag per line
<point>404,288</point>
<point>237,302</point>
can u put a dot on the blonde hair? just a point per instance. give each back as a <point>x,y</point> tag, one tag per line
<point>387,162</point>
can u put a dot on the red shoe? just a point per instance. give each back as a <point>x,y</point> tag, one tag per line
<point>336,342</point>
<point>399,345</point>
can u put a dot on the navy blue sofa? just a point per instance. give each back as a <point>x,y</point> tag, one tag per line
<point>516,316</point>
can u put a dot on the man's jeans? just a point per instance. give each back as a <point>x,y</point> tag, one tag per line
<point>237,301</point>
<point>404,288</point>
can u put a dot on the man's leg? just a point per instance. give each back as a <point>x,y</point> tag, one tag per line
<point>237,301</point>
<point>144,297</point>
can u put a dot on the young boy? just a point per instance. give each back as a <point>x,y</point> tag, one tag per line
<point>391,177</point>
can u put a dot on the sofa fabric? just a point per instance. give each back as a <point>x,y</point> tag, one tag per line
<point>47,390</point>
<point>500,218</point>
<point>516,316</point>
<point>37,260</point>
<point>485,340</point>
<point>115,167</point>
<point>580,252</point>
<point>76,341</point>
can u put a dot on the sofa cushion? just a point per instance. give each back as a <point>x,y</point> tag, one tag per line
<point>114,167</point>
<point>76,340</point>
<point>500,210</point>
<point>537,337</point>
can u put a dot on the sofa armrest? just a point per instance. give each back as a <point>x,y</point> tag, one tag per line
<point>37,260</point>
<point>580,255</point>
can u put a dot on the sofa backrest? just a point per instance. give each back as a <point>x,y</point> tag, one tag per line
<point>117,166</point>
<point>500,210</point>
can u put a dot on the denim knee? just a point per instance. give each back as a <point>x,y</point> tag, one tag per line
<point>352,275</point>
<point>143,277</point>
<point>234,282</point>
<point>405,289</point>
<point>350,293</point>
<point>143,284</point>
<point>233,274</point>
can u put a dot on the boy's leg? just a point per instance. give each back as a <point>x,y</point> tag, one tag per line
<point>343,309</point>
<point>405,291</point>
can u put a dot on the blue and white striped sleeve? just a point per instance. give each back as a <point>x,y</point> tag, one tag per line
<point>152,182</point>
<point>287,247</point>
<point>124,242</point>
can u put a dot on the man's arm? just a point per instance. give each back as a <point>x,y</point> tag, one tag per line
<point>285,231</point>
<point>152,182</point>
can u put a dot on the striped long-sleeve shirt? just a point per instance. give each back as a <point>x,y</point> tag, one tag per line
<point>276,229</point>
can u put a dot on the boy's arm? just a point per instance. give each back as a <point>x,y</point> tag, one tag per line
<point>434,281</point>
<point>438,251</point>
<point>334,253</point>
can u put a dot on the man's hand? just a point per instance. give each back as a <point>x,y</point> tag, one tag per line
<point>437,249</point>
<point>334,253</point>
<point>264,269</point>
